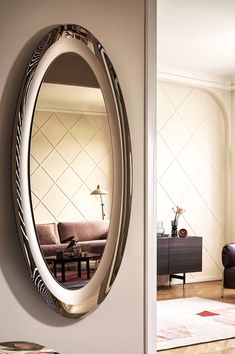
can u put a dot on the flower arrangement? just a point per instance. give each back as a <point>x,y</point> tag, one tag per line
<point>174,223</point>
<point>178,211</point>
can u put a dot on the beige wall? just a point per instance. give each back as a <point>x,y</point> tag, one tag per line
<point>191,160</point>
<point>117,326</point>
<point>71,154</point>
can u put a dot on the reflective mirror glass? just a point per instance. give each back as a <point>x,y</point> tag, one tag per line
<point>71,171</point>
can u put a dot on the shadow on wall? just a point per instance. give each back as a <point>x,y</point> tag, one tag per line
<point>12,263</point>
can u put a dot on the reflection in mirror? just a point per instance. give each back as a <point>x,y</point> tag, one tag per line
<point>70,162</point>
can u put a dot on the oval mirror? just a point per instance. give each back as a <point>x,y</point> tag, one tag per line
<point>72,171</point>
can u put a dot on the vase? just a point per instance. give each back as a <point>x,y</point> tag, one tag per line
<point>160,229</point>
<point>183,233</point>
<point>174,228</point>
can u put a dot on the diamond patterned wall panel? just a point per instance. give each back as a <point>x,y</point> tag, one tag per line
<point>70,155</point>
<point>191,168</point>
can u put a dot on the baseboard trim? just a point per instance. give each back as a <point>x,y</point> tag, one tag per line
<point>189,279</point>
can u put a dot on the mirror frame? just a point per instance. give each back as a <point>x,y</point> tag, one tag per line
<point>60,40</point>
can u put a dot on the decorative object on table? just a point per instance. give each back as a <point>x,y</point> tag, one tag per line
<point>100,192</point>
<point>183,233</point>
<point>72,249</point>
<point>71,244</point>
<point>174,223</point>
<point>160,229</point>
<point>23,347</point>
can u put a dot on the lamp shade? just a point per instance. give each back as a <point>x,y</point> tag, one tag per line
<point>99,191</point>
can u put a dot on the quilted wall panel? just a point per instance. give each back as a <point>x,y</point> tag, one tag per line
<point>70,155</point>
<point>191,168</point>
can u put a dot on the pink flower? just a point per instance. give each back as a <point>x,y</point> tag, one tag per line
<point>178,211</point>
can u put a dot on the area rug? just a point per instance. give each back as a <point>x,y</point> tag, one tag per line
<point>73,276</point>
<point>23,347</point>
<point>189,321</point>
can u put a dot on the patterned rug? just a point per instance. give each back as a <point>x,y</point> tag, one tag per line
<point>23,347</point>
<point>73,276</point>
<point>189,321</point>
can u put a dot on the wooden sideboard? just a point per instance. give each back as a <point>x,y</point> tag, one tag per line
<point>179,255</point>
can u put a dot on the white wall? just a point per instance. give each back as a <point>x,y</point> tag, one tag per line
<point>117,326</point>
<point>191,160</point>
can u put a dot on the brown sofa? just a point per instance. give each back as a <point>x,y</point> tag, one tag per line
<point>228,260</point>
<point>90,236</point>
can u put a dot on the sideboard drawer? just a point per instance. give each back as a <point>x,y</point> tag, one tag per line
<point>162,256</point>
<point>179,255</point>
<point>185,255</point>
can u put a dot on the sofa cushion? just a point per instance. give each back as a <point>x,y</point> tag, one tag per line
<point>228,255</point>
<point>84,230</point>
<point>47,234</point>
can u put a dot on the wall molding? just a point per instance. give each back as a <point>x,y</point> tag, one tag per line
<point>150,247</point>
<point>191,77</point>
<point>70,111</point>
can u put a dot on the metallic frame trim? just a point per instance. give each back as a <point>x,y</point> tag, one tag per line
<point>80,302</point>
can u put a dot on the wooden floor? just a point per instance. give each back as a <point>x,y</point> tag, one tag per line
<point>209,290</point>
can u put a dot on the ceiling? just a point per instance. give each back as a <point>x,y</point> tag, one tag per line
<point>197,35</point>
<point>69,98</point>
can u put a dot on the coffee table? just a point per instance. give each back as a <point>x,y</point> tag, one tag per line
<point>78,259</point>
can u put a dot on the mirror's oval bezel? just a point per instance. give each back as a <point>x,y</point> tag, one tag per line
<point>65,39</point>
